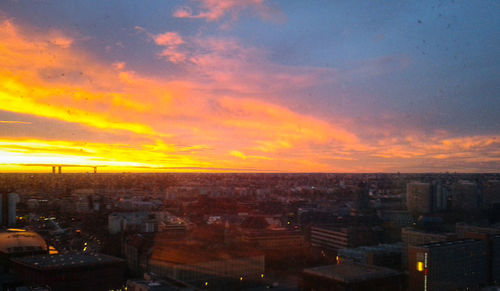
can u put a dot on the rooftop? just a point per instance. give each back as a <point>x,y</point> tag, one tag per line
<point>69,260</point>
<point>196,252</point>
<point>21,241</point>
<point>351,272</point>
<point>448,243</point>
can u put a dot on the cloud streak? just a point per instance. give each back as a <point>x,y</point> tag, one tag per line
<point>215,10</point>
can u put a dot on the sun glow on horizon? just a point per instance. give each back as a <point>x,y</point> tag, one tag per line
<point>224,105</point>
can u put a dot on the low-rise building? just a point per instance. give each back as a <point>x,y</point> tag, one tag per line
<point>70,271</point>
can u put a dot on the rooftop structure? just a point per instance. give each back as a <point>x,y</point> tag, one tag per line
<point>20,241</point>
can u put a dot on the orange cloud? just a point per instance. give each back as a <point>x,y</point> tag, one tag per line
<point>227,111</point>
<point>213,10</point>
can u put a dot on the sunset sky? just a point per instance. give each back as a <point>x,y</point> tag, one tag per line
<point>250,85</point>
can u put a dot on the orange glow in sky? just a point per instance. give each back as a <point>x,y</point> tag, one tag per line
<point>219,105</point>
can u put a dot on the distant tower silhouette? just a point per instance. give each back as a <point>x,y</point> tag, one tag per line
<point>8,209</point>
<point>53,169</point>
<point>59,169</point>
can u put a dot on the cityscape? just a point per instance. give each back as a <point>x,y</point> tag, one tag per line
<point>250,231</point>
<point>249,145</point>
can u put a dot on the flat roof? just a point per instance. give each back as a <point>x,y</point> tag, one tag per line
<point>351,272</point>
<point>69,260</point>
<point>447,243</point>
<point>196,252</point>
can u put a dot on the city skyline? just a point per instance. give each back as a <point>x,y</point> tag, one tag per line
<point>249,86</point>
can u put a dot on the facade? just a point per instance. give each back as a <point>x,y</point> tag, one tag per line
<point>419,198</point>
<point>335,238</point>
<point>495,260</point>
<point>400,218</point>
<point>156,285</point>
<point>491,193</point>
<point>454,265</point>
<point>197,264</point>
<point>18,244</point>
<point>463,228</point>
<point>269,239</point>
<point>411,236</point>
<point>351,277</point>
<point>490,235</point>
<point>76,272</point>
<point>387,255</point>
<point>465,196</point>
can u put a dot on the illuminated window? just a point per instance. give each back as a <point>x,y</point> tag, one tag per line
<point>420,266</point>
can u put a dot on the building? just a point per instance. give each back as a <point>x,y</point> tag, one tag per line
<point>454,265</point>
<point>145,222</point>
<point>399,218</point>
<point>491,193</point>
<point>490,235</point>
<point>462,229</point>
<point>8,204</point>
<point>20,243</point>
<point>425,198</point>
<point>71,271</point>
<point>198,264</point>
<point>156,285</point>
<point>419,198</point>
<point>386,255</point>
<point>352,277</point>
<point>273,239</point>
<point>465,196</point>
<point>412,236</point>
<point>495,260</point>
<point>335,238</point>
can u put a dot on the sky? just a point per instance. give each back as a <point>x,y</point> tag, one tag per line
<point>250,86</point>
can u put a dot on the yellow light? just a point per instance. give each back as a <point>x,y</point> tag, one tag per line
<point>337,258</point>
<point>262,275</point>
<point>241,278</point>
<point>420,266</point>
<point>206,283</point>
<point>16,229</point>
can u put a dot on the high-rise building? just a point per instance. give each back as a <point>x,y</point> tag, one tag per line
<point>465,196</point>
<point>491,193</point>
<point>455,265</point>
<point>418,198</point>
<point>423,198</point>
<point>8,204</point>
<point>495,260</point>
<point>13,199</point>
